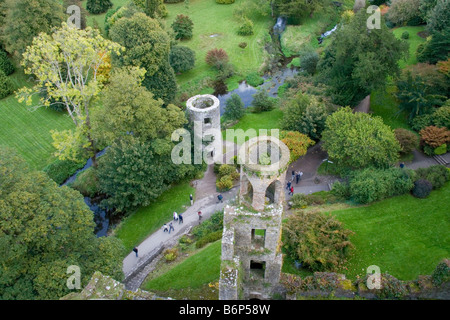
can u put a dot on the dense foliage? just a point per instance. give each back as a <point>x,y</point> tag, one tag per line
<point>182,26</point>
<point>234,107</point>
<point>358,140</point>
<point>317,240</point>
<point>298,143</point>
<point>44,230</point>
<point>306,114</point>
<point>98,6</point>
<point>358,60</point>
<point>422,188</point>
<point>6,86</point>
<point>262,101</point>
<point>408,140</point>
<point>5,64</point>
<point>369,185</point>
<point>181,59</point>
<point>25,19</point>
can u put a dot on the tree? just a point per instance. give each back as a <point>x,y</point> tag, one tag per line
<point>306,114</point>
<point>67,64</point>
<point>216,58</point>
<point>357,140</point>
<point>146,44</point>
<point>425,7</point>
<point>182,26</point>
<point>296,10</point>
<point>416,96</point>
<point>308,61</point>
<point>408,140</point>
<point>25,19</point>
<point>436,47</point>
<point>45,229</point>
<point>181,59</point>
<point>6,86</point>
<point>163,83</point>
<point>133,173</point>
<point>152,8</point>
<point>234,107</point>
<point>5,65</point>
<point>359,59</point>
<point>438,18</point>
<point>298,143</point>
<point>319,241</point>
<point>403,11</point>
<point>434,136</point>
<point>130,108</point>
<point>262,102</point>
<point>98,6</point>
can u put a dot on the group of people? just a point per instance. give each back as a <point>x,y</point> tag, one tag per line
<point>297,176</point>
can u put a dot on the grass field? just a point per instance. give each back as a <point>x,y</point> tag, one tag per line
<point>27,131</point>
<point>212,19</point>
<point>136,227</point>
<point>264,120</point>
<point>193,273</point>
<point>413,42</point>
<point>404,236</point>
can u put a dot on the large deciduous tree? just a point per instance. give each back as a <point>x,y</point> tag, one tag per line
<point>130,108</point>
<point>44,229</point>
<point>357,140</point>
<point>147,46</point>
<point>359,59</point>
<point>25,19</point>
<point>68,65</point>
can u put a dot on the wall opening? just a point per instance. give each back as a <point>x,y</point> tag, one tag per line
<point>207,120</point>
<point>258,238</point>
<point>258,268</point>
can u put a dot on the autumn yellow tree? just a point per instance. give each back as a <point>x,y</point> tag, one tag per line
<point>69,64</point>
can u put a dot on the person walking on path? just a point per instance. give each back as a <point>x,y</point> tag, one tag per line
<point>192,199</point>
<point>135,249</point>
<point>288,186</point>
<point>297,177</point>
<point>293,175</point>
<point>291,191</point>
<point>180,218</point>
<point>165,228</point>
<point>171,227</point>
<point>199,215</point>
<point>220,197</point>
<point>175,216</point>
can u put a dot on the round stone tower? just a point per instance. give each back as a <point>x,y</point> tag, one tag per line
<point>264,161</point>
<point>204,112</point>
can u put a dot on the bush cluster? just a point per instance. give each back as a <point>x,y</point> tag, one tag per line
<point>408,140</point>
<point>5,64</point>
<point>213,224</point>
<point>60,170</point>
<point>246,28</point>
<point>211,237</point>
<point>437,175</point>
<point>369,185</point>
<point>98,6</point>
<point>254,79</point>
<point>170,254</point>
<point>226,175</point>
<point>262,102</point>
<point>182,26</point>
<point>441,274</point>
<point>422,188</point>
<point>317,240</point>
<point>6,86</point>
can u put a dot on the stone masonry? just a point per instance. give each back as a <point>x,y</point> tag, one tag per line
<point>251,242</point>
<point>204,113</point>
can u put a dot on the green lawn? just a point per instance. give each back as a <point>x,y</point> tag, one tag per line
<point>28,131</point>
<point>264,120</point>
<point>413,41</point>
<point>195,272</point>
<point>209,19</point>
<point>404,236</point>
<point>146,220</point>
